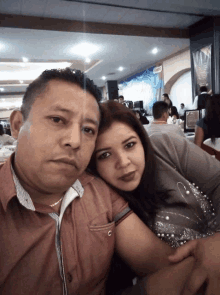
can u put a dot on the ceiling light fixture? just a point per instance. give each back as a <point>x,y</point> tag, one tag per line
<point>103,78</point>
<point>85,49</point>
<point>155,50</point>
<point>87,60</point>
<point>120,69</point>
<point>25,59</point>
<point>2,89</point>
<point>21,82</point>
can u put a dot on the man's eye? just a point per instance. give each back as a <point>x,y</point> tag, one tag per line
<point>103,156</point>
<point>56,119</point>
<point>88,130</point>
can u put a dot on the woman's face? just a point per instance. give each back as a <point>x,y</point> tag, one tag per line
<point>120,158</point>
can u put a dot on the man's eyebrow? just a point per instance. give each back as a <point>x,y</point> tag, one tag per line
<point>61,109</point>
<point>89,120</point>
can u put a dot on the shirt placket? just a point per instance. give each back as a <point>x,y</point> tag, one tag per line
<point>58,246</point>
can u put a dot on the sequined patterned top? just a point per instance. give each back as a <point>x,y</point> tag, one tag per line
<point>190,176</point>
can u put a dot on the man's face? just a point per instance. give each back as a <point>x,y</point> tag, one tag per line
<point>57,140</point>
<point>182,106</point>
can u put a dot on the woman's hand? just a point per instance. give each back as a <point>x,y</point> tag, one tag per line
<point>207,265</point>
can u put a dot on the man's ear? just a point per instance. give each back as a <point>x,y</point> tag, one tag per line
<point>16,122</point>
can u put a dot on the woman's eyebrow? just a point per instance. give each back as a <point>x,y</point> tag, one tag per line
<point>124,141</point>
<point>103,149</point>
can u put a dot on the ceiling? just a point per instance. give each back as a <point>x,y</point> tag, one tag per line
<point>124,31</point>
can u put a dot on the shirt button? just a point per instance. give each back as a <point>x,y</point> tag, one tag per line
<point>109,233</point>
<point>69,277</point>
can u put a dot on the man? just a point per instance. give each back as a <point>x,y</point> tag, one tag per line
<point>121,99</point>
<point>59,225</point>
<point>182,111</point>
<point>161,115</point>
<point>200,101</point>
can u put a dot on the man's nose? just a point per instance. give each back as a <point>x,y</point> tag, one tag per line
<point>73,137</point>
<point>122,161</point>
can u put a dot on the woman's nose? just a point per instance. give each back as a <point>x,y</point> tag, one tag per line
<point>122,161</point>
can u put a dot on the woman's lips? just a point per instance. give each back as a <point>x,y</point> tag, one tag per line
<point>128,177</point>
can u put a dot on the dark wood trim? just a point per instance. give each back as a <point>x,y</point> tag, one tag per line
<point>64,25</point>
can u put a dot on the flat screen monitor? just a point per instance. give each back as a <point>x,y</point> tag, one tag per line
<point>190,119</point>
<point>138,104</point>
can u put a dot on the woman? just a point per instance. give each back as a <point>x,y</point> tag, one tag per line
<point>166,185</point>
<point>209,126</point>
<point>174,114</point>
<point>142,118</point>
<point>165,97</point>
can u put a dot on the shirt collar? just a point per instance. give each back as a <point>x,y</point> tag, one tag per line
<point>76,190</point>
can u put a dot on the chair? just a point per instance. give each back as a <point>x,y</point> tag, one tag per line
<point>210,150</point>
<point>215,145</point>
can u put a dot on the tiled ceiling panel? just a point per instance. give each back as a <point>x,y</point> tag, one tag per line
<point>33,7</point>
<point>10,6</point>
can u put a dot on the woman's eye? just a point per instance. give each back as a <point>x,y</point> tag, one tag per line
<point>103,156</point>
<point>130,144</point>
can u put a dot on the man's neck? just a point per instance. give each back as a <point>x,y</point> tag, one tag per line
<point>37,195</point>
<point>159,121</point>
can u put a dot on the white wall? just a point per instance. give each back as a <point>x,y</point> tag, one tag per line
<point>181,91</point>
<point>5,114</point>
<point>176,64</point>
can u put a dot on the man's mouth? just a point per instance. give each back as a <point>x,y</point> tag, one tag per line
<point>67,161</point>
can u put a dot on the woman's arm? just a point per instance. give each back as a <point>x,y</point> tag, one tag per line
<point>199,136</point>
<point>140,248</point>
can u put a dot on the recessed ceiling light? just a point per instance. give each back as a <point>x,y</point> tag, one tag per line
<point>87,60</point>
<point>155,50</point>
<point>103,78</point>
<point>25,59</point>
<point>21,82</point>
<point>2,89</point>
<point>85,49</point>
<point>120,69</point>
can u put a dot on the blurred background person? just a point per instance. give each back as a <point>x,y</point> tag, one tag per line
<point>174,115</point>
<point>182,111</point>
<point>209,126</point>
<point>142,118</point>
<point>121,99</point>
<point>165,98</point>
<point>201,100</point>
<point>159,124</point>
<point>5,139</point>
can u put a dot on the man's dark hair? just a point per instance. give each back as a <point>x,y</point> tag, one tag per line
<point>121,96</point>
<point>159,108</point>
<point>203,89</point>
<point>182,104</point>
<point>39,85</point>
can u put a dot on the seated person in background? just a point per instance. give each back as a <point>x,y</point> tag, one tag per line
<point>209,126</point>
<point>59,225</point>
<point>121,99</point>
<point>159,124</point>
<point>142,118</point>
<point>5,139</point>
<point>201,100</point>
<point>165,186</point>
<point>182,111</point>
<point>174,115</point>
